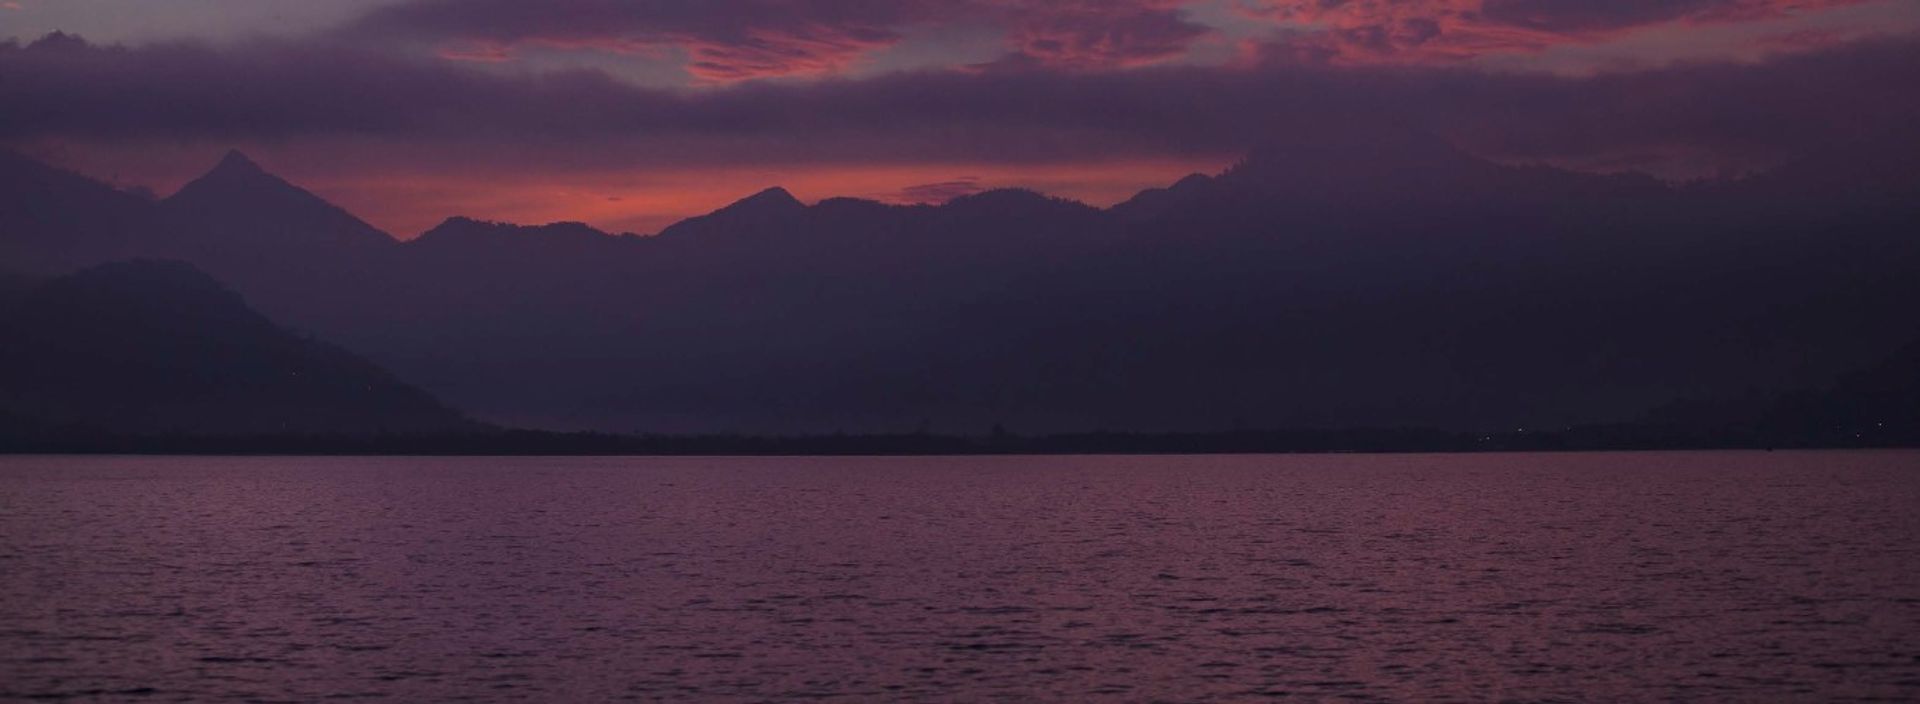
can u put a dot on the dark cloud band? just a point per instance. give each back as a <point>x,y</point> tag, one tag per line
<point>63,88</point>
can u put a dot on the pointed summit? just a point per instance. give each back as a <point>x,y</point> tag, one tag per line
<point>775,199</point>
<point>236,163</point>
<point>236,170</point>
<point>238,202</point>
<point>56,41</point>
<point>770,209</point>
<point>235,177</point>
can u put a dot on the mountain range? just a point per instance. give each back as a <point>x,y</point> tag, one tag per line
<point>1380,279</point>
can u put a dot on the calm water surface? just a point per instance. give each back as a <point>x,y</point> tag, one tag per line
<point>1638,576</point>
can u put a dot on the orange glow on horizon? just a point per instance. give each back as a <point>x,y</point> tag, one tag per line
<point>407,196</point>
<point>646,202</point>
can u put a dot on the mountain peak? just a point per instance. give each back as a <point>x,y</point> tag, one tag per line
<point>238,201</point>
<point>771,208</point>
<point>58,41</point>
<point>1158,201</point>
<point>236,163</point>
<point>239,177</point>
<point>1191,181</point>
<point>775,198</point>
<point>143,277</point>
<point>237,170</point>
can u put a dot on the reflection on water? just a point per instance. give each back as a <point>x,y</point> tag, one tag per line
<point>1704,576</point>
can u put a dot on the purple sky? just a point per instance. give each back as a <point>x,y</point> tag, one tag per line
<point>630,114</point>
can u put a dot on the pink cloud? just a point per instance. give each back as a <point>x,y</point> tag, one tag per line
<point>936,192</point>
<point>752,39</point>
<point>1441,31</point>
<point>1101,35</point>
<point>811,50</point>
<point>484,52</point>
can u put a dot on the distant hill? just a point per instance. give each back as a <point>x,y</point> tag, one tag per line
<point>158,348</point>
<point>53,220</point>
<point>1878,404</point>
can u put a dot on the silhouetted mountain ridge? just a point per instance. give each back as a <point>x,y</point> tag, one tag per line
<point>54,220</point>
<point>1370,281</point>
<point>1879,403</point>
<point>240,204</point>
<point>459,229</point>
<point>758,214</point>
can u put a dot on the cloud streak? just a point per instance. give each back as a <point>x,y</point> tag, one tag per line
<point>1102,35</point>
<point>63,88</point>
<point>1441,31</point>
<point>754,39</point>
<point>936,192</point>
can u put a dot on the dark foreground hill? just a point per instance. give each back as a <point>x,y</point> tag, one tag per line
<point>158,348</point>
<point>155,357</point>
<point>1878,405</point>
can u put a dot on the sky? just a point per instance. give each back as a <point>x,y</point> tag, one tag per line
<point>631,114</point>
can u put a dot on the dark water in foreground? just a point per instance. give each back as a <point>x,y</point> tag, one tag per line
<point>1702,576</point>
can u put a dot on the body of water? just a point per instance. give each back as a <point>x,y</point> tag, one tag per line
<point>1724,576</point>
